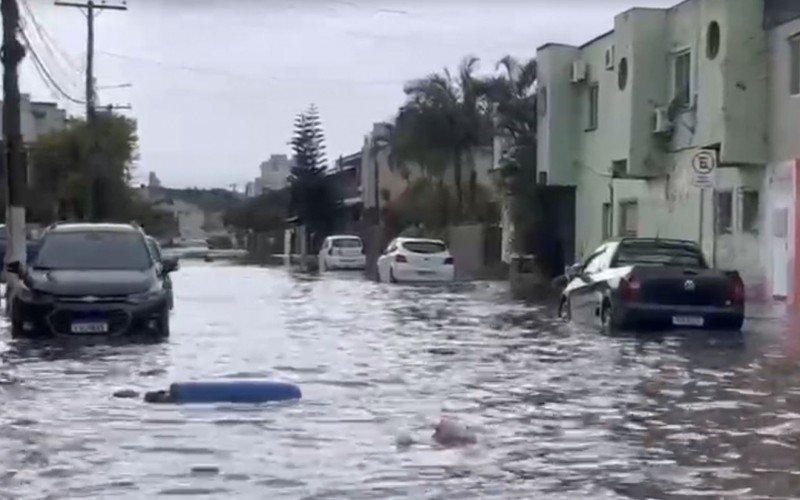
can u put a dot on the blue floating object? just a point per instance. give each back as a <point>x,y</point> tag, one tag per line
<point>245,391</point>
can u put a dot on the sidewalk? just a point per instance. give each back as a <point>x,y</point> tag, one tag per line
<point>766,310</point>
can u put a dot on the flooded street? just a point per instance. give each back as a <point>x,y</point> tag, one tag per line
<point>560,412</point>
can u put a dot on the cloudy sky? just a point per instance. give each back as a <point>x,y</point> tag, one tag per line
<point>215,84</point>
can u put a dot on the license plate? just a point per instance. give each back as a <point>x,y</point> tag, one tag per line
<point>426,273</point>
<point>93,327</point>
<point>688,321</point>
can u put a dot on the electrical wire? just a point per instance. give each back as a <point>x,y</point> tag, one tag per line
<point>48,42</point>
<point>47,77</point>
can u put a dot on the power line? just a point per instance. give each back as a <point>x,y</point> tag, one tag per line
<point>45,73</point>
<point>47,40</point>
<point>241,76</point>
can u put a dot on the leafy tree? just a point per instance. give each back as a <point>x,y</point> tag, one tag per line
<point>262,213</point>
<point>61,178</point>
<point>444,118</point>
<point>313,198</point>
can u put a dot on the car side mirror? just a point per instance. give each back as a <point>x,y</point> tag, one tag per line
<point>573,271</point>
<point>169,265</point>
<point>14,268</point>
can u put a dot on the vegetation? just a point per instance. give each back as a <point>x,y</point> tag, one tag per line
<point>61,177</point>
<point>443,120</point>
<point>312,197</point>
<point>267,212</point>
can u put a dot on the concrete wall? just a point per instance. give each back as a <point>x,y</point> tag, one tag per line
<point>779,238</point>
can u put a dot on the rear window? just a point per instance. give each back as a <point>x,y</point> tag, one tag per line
<point>424,246</point>
<point>662,254</point>
<point>346,243</point>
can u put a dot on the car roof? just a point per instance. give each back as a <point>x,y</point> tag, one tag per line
<point>84,227</point>
<point>655,240</point>
<point>344,237</point>
<point>418,240</point>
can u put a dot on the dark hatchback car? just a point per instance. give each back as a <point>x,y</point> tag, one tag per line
<point>91,279</point>
<point>651,282</point>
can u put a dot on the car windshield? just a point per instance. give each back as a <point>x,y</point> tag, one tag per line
<point>154,248</point>
<point>346,243</point>
<point>93,250</point>
<point>660,253</point>
<point>424,246</point>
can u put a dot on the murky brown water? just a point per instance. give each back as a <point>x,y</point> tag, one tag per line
<point>560,412</point>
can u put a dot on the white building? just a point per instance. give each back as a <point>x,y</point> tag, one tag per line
<point>191,218</point>
<point>275,173</point>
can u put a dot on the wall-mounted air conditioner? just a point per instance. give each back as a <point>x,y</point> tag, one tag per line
<point>661,122</point>
<point>579,71</point>
<point>610,57</point>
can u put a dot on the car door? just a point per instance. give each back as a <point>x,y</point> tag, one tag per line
<point>598,281</point>
<point>385,260</point>
<point>579,288</point>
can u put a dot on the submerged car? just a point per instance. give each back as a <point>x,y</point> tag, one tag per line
<point>416,260</point>
<point>155,251</point>
<point>90,279</point>
<point>651,282</point>
<point>342,252</point>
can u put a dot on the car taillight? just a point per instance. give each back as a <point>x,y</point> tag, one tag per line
<point>630,288</point>
<point>448,260</point>
<point>736,294</point>
<point>400,258</point>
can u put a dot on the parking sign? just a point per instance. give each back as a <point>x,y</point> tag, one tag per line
<point>704,168</point>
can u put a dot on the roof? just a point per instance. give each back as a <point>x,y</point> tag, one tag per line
<point>343,236</point>
<point>597,38</point>
<point>406,239</point>
<point>89,227</point>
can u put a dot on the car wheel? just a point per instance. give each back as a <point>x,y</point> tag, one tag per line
<point>322,265</point>
<point>162,331</point>
<point>607,320</point>
<point>565,309</point>
<point>16,324</point>
<point>392,279</point>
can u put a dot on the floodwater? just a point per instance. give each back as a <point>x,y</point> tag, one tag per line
<point>560,412</point>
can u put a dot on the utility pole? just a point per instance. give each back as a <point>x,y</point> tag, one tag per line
<point>90,6</point>
<point>12,54</point>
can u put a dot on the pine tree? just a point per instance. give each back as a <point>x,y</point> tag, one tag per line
<point>313,200</point>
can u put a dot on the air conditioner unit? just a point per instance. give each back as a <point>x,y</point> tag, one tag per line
<point>610,57</point>
<point>661,122</point>
<point>578,72</point>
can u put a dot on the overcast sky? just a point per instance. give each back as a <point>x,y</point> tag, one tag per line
<point>216,84</point>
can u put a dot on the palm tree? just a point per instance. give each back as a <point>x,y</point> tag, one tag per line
<point>443,119</point>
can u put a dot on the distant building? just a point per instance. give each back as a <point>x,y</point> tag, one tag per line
<point>250,190</point>
<point>275,173</point>
<point>346,177</point>
<point>153,181</point>
<point>47,118</point>
<point>191,218</point>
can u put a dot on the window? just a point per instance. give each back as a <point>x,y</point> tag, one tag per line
<point>724,210</point>
<point>664,253</point>
<point>794,65</point>
<point>425,246</point>
<point>542,101</point>
<point>594,261</point>
<point>607,221</point>
<point>629,219</point>
<point>750,211</point>
<point>622,73</point>
<point>94,250</point>
<point>712,40</point>
<point>682,82</point>
<point>594,98</point>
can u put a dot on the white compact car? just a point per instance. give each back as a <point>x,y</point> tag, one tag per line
<point>416,260</point>
<point>342,252</point>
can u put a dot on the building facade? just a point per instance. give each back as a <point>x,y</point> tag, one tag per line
<point>275,173</point>
<point>625,117</point>
<point>781,184</point>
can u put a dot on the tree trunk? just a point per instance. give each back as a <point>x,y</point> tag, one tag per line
<point>459,185</point>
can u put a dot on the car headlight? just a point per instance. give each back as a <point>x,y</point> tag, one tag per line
<point>26,294</point>
<point>151,295</point>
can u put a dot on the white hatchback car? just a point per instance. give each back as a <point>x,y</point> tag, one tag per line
<point>342,252</point>
<point>416,260</point>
